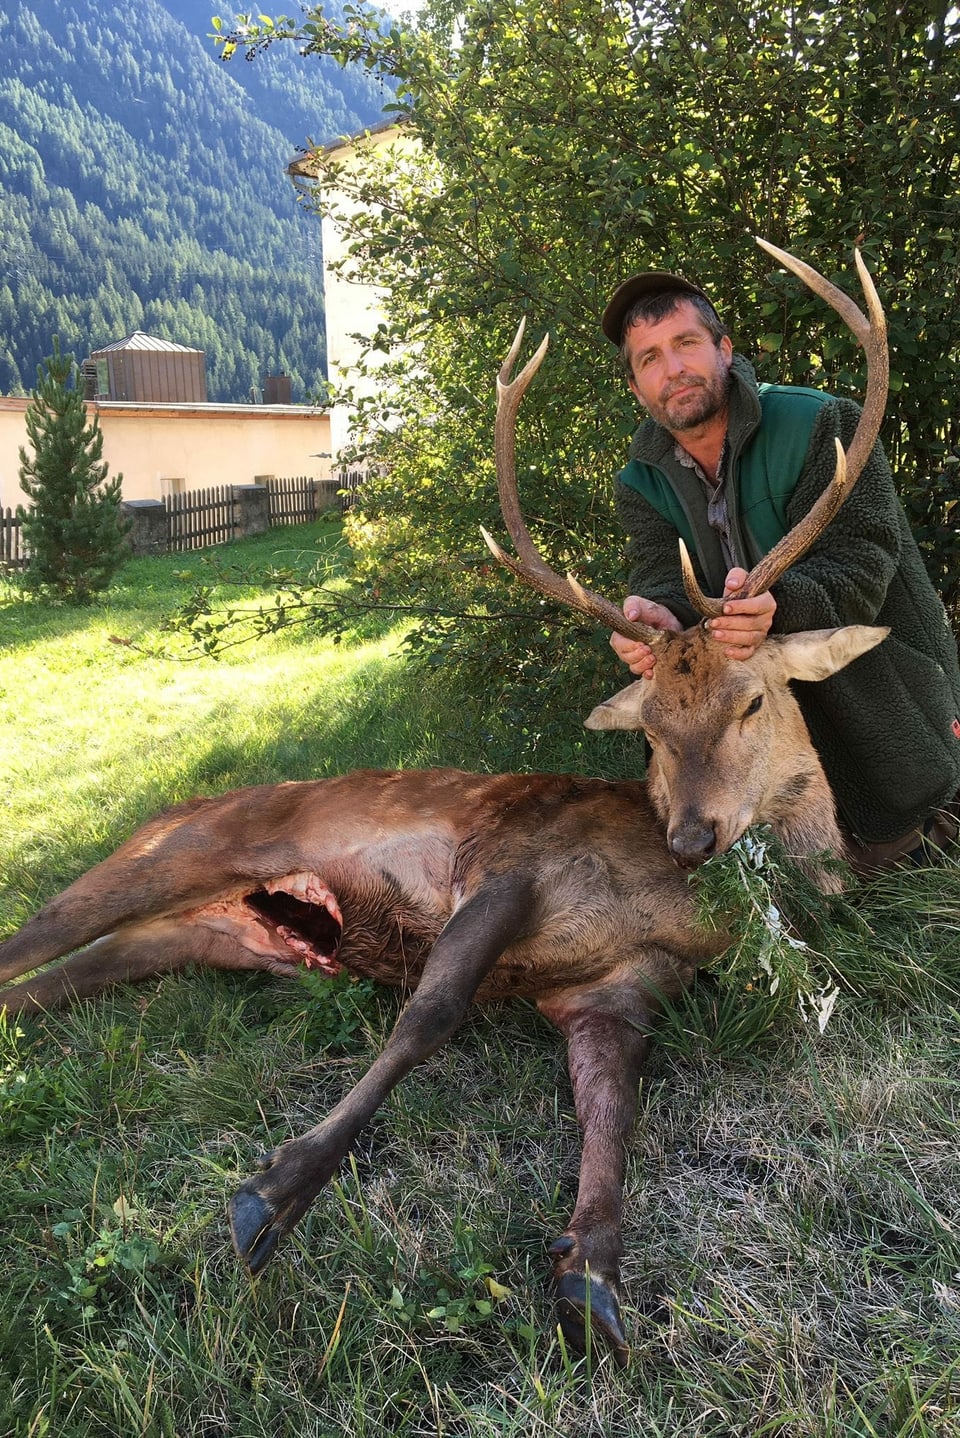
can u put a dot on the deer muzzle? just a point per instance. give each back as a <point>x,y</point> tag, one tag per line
<point>692,840</point>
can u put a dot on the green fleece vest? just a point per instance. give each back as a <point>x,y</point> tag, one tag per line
<point>765,471</point>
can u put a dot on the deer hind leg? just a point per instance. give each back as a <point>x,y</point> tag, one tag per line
<point>132,954</point>
<point>268,1205</point>
<point>606,1028</point>
<point>194,854</point>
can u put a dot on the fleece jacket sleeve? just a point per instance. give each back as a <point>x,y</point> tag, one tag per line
<point>844,578</point>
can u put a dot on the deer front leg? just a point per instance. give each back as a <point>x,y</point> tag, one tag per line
<point>605,1028</point>
<point>268,1206</point>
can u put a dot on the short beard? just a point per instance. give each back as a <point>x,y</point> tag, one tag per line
<point>711,401</point>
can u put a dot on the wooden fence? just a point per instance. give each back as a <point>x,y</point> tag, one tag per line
<point>291,501</point>
<point>198,518</point>
<point>202,517</point>
<point>299,500</point>
<point>11,541</point>
<point>349,482</point>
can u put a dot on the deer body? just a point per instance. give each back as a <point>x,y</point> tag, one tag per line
<point>363,872</point>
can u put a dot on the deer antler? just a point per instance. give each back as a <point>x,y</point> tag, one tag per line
<point>530,566</point>
<point>872,334</point>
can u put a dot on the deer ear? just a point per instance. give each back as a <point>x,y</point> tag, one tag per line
<point>621,711</point>
<point>818,653</point>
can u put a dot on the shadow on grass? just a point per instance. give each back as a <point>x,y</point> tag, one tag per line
<point>394,714</point>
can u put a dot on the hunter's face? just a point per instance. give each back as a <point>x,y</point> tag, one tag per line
<point>678,372</point>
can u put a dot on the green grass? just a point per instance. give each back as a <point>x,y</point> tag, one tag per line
<point>793,1251</point>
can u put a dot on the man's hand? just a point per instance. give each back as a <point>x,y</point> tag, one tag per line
<point>745,623</point>
<point>639,657</point>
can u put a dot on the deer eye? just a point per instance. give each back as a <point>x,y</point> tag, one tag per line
<point>755,703</point>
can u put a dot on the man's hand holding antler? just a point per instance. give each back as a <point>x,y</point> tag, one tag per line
<point>742,627</point>
<point>745,623</point>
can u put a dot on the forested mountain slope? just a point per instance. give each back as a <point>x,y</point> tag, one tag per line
<point>142,187</point>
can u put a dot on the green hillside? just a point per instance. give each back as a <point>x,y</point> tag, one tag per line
<point>142,187</point>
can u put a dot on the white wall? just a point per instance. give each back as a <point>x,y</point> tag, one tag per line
<point>352,307</point>
<point>202,445</point>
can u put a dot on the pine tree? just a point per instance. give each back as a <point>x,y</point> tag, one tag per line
<point>73,530</point>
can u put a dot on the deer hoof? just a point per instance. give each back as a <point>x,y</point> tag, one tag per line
<point>606,1325</point>
<point>252,1230</point>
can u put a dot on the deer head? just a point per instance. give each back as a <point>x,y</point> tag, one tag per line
<point>730,747</point>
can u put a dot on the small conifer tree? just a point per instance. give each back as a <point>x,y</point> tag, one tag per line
<point>73,531</point>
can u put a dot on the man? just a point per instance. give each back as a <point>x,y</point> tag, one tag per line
<point>730,466</point>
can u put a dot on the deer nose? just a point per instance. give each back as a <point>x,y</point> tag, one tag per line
<point>692,842</point>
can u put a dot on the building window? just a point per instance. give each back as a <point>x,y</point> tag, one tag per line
<point>169,485</point>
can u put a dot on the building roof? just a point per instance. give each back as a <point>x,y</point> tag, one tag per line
<point>140,341</point>
<point>191,409</point>
<point>202,409</point>
<point>304,167</point>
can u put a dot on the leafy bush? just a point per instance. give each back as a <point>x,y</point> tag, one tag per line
<point>561,148</point>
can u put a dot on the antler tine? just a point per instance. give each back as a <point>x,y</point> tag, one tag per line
<point>803,535</point>
<point>503,378</point>
<point>872,334</point>
<point>702,603</point>
<point>530,565</point>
